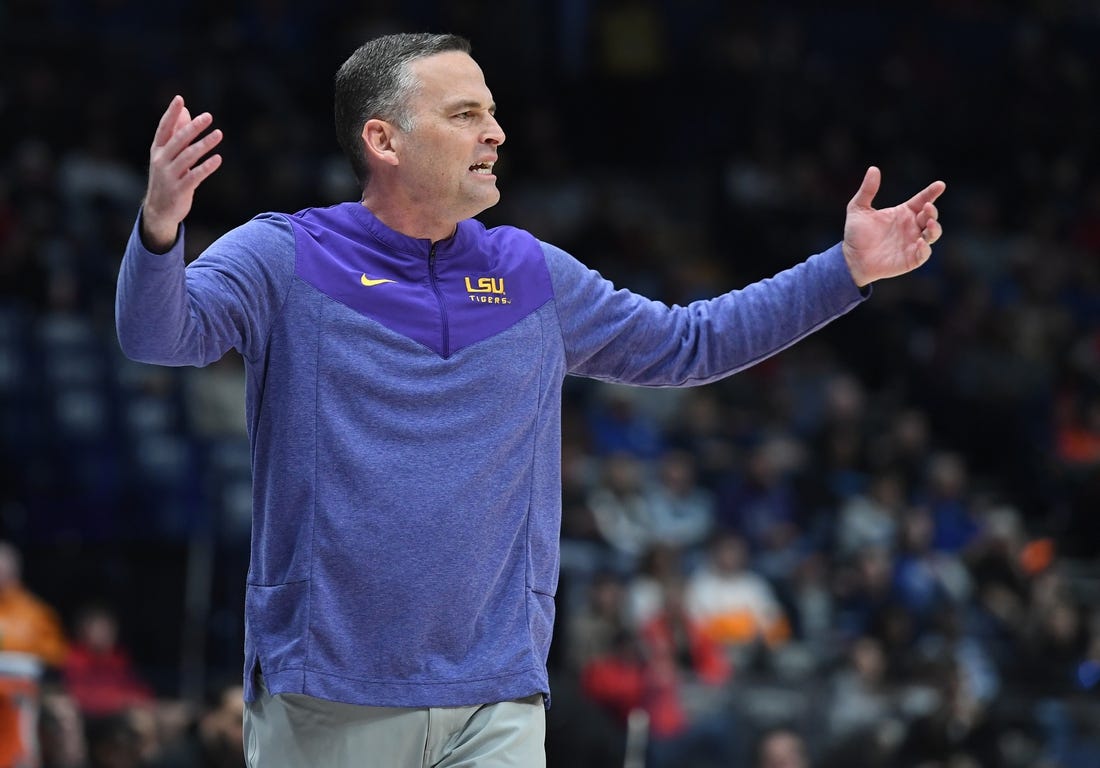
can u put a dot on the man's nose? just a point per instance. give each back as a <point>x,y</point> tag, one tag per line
<point>494,134</point>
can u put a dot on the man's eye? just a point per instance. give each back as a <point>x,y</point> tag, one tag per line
<point>465,115</point>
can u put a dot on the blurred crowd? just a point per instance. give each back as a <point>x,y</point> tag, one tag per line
<point>878,548</point>
<point>71,695</point>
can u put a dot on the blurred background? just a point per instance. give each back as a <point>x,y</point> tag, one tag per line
<point>878,548</point>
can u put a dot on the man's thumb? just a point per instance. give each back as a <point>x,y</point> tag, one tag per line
<point>868,189</point>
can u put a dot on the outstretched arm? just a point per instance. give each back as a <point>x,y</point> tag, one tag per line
<point>176,168</point>
<point>170,313</point>
<point>886,242</point>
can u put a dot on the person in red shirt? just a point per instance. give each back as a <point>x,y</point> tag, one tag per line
<point>677,675</point>
<point>691,719</point>
<point>98,672</point>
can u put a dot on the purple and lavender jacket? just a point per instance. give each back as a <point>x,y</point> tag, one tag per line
<point>404,409</point>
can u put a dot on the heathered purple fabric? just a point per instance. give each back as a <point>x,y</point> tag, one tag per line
<point>407,490</point>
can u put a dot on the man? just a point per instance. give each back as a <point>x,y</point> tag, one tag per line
<point>404,374</point>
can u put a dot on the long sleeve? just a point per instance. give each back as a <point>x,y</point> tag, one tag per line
<point>170,314</point>
<point>616,335</point>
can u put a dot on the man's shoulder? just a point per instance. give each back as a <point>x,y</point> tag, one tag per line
<point>501,233</point>
<point>504,243</point>
<point>337,216</point>
<point>263,236</point>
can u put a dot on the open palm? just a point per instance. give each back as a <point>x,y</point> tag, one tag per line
<point>176,168</point>
<point>886,242</point>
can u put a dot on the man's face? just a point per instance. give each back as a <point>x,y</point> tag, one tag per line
<point>446,159</point>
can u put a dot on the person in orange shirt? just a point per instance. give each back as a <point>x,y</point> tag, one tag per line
<point>735,606</point>
<point>31,637</point>
<point>27,623</point>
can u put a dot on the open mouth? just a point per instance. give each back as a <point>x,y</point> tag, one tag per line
<point>485,169</point>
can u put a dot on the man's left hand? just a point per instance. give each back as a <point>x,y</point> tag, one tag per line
<point>881,243</point>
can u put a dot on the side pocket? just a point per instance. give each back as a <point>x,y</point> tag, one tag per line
<point>540,622</point>
<point>277,624</point>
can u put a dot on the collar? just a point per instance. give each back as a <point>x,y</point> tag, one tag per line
<point>413,246</point>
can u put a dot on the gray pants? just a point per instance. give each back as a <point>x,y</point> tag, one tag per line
<point>294,731</point>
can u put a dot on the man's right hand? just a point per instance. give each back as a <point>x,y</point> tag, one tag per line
<point>175,171</point>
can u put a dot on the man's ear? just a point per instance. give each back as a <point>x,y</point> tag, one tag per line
<point>380,140</point>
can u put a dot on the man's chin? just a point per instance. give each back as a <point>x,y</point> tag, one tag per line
<point>487,202</point>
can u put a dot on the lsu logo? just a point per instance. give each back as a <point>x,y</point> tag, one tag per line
<point>487,290</point>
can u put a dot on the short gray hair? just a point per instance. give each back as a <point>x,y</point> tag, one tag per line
<point>376,82</point>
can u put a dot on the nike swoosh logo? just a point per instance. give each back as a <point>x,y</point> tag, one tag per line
<point>368,282</point>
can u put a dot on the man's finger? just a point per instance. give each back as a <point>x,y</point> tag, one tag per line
<point>932,232</point>
<point>187,134</point>
<point>191,154</point>
<point>168,121</point>
<point>200,172</point>
<point>926,195</point>
<point>868,189</point>
<point>183,118</point>
<point>926,214</point>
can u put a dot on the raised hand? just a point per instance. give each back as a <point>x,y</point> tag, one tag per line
<point>889,241</point>
<point>176,168</point>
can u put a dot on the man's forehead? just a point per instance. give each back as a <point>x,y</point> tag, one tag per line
<point>462,103</point>
<point>451,76</point>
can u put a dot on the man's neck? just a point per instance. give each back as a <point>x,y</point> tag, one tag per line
<point>406,219</point>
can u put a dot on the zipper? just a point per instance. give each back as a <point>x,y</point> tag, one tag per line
<point>442,306</point>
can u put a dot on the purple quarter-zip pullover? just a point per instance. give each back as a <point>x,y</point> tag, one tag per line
<point>404,406</point>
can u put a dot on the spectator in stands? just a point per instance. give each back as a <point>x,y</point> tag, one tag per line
<point>31,641</point>
<point>592,628</point>
<point>645,589</point>
<point>683,511</point>
<point>732,604</point>
<point>781,747</point>
<point>214,738</point>
<point>1055,640</point>
<point>862,589</point>
<point>220,729</point>
<point>61,739</point>
<point>27,623</point>
<point>957,731</point>
<point>926,580</point>
<point>1001,584</point>
<point>98,670</point>
<point>702,428</point>
<point>906,447</point>
<point>762,503</point>
<point>114,741</point>
<point>947,638</point>
<point>618,424</point>
<point>690,716</point>
<point>870,518</point>
<point>946,493</point>
<point>861,704</point>
<point>624,509</point>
